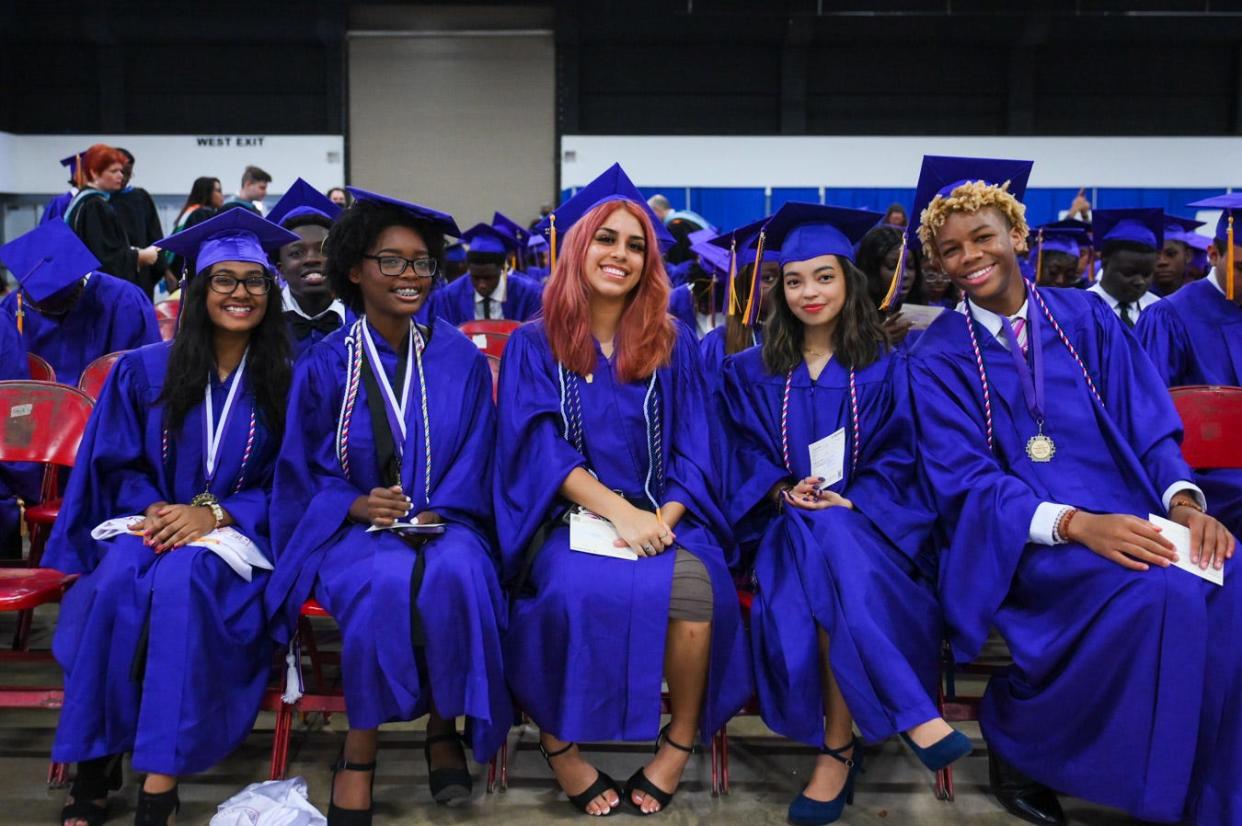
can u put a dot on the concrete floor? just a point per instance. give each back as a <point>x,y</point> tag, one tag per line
<point>766,773</point>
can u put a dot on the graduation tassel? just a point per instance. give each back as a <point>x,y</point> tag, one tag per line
<point>711,300</point>
<point>552,241</point>
<point>894,285</point>
<point>734,306</point>
<point>1229,258</point>
<point>1039,254</point>
<point>21,314</point>
<point>752,306</point>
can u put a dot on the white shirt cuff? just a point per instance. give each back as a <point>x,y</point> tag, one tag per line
<point>1193,489</point>
<point>1044,522</point>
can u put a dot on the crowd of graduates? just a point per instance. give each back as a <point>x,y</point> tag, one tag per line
<point>893,435</point>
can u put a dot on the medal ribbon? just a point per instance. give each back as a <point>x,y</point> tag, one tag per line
<point>1032,384</point>
<point>394,409</point>
<point>212,435</point>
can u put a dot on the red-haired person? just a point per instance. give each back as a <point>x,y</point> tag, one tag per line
<point>602,412</point>
<point>100,174</point>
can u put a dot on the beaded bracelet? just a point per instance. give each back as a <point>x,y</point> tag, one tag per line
<point>1186,503</point>
<point>1062,525</point>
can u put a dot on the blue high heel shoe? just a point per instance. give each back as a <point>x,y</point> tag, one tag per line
<point>804,811</point>
<point>941,753</point>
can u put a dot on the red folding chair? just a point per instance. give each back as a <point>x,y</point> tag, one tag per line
<point>40,370</point>
<point>42,423</point>
<point>490,335</point>
<point>166,313</point>
<point>96,373</point>
<point>22,590</point>
<point>493,362</point>
<point>1212,420</point>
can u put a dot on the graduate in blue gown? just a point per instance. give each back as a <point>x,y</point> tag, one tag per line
<point>845,624</point>
<point>736,333</point>
<point>890,267</point>
<point>55,208</point>
<point>487,291</point>
<point>390,420</point>
<point>15,479</point>
<point>699,303</point>
<point>72,317</point>
<point>601,407</point>
<point>1048,438</point>
<point>1195,337</point>
<point>311,309</point>
<point>164,643</point>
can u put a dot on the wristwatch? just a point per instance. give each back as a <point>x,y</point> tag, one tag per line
<point>209,500</point>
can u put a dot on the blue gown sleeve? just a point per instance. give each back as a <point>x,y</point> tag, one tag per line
<point>1163,335</point>
<point>533,457</point>
<point>750,463</point>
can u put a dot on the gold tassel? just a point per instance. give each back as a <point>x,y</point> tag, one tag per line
<point>1229,259</point>
<point>895,281</point>
<point>734,304</point>
<point>1039,255</point>
<point>21,313</point>
<point>552,241</point>
<point>747,319</point>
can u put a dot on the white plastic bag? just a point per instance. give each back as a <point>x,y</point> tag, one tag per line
<point>274,803</point>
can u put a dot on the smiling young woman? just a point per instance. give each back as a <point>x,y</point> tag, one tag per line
<point>158,628</point>
<point>392,422</point>
<point>602,408</point>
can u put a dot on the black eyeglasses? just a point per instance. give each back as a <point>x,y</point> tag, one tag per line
<point>394,265</point>
<point>226,284</point>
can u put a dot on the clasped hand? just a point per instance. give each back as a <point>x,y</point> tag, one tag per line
<point>166,526</point>
<point>642,532</point>
<point>808,496</point>
<point>384,506</point>
<point>1137,544</point>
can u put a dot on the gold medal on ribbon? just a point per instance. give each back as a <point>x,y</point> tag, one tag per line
<point>1040,448</point>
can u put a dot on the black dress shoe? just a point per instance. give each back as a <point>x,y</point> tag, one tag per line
<point>1021,796</point>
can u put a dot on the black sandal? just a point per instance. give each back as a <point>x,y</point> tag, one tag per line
<point>95,778</point>
<point>350,817</point>
<point>639,782</point>
<point>583,798</point>
<point>449,784</point>
<point>155,809</point>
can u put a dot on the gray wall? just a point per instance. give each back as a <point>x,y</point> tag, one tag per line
<point>454,108</point>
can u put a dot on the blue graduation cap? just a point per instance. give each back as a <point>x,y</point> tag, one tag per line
<point>72,162</point>
<point>1177,228</point>
<point>941,174</point>
<point>47,259</point>
<point>1135,226</point>
<point>1068,236</point>
<point>803,231</point>
<point>536,242</point>
<point>612,185</point>
<point>302,199</point>
<point>712,257</point>
<point>511,228</point>
<point>482,238</point>
<point>1228,202</point>
<point>440,220</point>
<point>233,235</point>
<point>455,252</point>
<point>744,238</point>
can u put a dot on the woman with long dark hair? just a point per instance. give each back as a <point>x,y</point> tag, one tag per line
<point>164,639</point>
<point>202,203</point>
<point>389,445</point>
<point>601,408</point>
<point>100,173</point>
<point>820,468</point>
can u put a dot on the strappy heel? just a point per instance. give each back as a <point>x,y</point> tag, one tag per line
<point>350,817</point>
<point>155,809</point>
<point>641,783</point>
<point>582,799</point>
<point>95,778</point>
<point>804,811</point>
<point>953,746</point>
<point>449,784</point>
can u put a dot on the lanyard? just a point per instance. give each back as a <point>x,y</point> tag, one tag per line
<point>212,434</point>
<point>394,409</point>
<point>1032,380</point>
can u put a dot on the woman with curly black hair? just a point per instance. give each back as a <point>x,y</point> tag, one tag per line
<point>164,640</point>
<point>389,446</point>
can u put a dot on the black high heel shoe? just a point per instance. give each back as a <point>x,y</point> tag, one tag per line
<point>155,809</point>
<point>583,799</point>
<point>350,817</point>
<point>640,782</point>
<point>804,811</point>
<point>95,778</point>
<point>449,784</point>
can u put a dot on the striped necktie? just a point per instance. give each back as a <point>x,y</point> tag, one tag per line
<point>1019,332</point>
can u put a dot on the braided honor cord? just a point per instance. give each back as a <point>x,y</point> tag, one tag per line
<point>166,448</point>
<point>855,428</point>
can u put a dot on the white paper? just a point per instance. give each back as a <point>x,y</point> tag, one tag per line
<point>230,544</point>
<point>592,534</point>
<point>1179,535</point>
<point>828,458</point>
<point>479,340</point>
<point>274,803</point>
<point>412,527</point>
<point>920,316</point>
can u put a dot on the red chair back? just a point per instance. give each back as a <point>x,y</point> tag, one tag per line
<point>1212,419</point>
<point>42,422</point>
<point>96,373</point>
<point>490,335</point>
<point>40,370</point>
<point>166,313</point>
<point>494,363</point>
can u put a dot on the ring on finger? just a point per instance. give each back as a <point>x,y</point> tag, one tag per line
<point>649,549</point>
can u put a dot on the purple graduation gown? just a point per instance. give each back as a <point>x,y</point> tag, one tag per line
<point>584,653</point>
<point>455,303</point>
<point>1195,337</point>
<point>363,579</point>
<point>111,315</point>
<point>1120,678</point>
<point>55,208</point>
<point>194,697</point>
<point>866,576</point>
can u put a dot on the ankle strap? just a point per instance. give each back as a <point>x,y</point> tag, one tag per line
<point>548,755</point>
<point>344,765</point>
<point>838,754</point>
<point>664,736</point>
